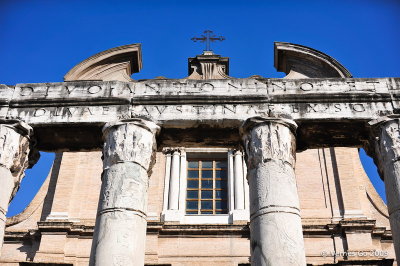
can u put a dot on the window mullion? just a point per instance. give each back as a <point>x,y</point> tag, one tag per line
<point>210,186</point>
<point>199,188</point>
<point>213,187</point>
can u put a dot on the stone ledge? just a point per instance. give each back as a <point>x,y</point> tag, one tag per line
<point>162,229</point>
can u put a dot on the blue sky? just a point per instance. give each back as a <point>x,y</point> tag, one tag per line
<point>41,40</point>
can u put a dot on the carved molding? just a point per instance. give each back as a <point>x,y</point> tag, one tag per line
<point>118,63</point>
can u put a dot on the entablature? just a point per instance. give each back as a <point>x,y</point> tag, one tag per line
<point>330,112</point>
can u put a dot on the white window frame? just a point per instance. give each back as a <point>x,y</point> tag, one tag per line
<point>175,182</point>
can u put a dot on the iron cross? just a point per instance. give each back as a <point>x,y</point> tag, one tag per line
<point>208,37</point>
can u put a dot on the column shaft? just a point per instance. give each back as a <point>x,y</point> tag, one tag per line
<point>239,187</point>
<point>275,223</point>
<point>231,183</point>
<point>166,180</point>
<point>120,231</point>
<point>174,181</point>
<point>386,148</point>
<point>7,186</point>
<point>14,159</point>
<point>183,182</point>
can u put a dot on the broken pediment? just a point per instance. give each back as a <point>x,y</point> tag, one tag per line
<point>117,63</point>
<point>299,61</point>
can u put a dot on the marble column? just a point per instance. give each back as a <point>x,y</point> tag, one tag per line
<point>385,148</point>
<point>275,223</point>
<point>128,156</point>
<point>15,147</point>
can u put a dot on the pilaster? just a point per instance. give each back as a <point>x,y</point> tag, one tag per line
<point>175,185</point>
<point>239,211</point>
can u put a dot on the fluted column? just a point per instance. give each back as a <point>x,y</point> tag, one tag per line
<point>385,148</point>
<point>275,223</point>
<point>128,156</point>
<point>14,159</point>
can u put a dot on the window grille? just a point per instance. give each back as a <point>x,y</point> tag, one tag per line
<point>207,183</point>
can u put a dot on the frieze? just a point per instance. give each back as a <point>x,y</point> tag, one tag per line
<point>166,114</point>
<point>83,114</point>
<point>79,109</point>
<point>169,101</point>
<point>244,111</point>
<point>231,87</point>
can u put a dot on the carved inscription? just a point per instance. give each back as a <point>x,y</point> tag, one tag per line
<point>172,100</point>
<point>242,111</point>
<point>306,86</point>
<point>198,112</point>
<point>247,85</point>
<point>72,111</point>
<point>70,114</point>
<point>233,87</point>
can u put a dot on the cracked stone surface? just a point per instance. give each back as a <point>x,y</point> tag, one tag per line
<point>14,159</point>
<point>387,156</point>
<point>128,155</point>
<point>275,225</point>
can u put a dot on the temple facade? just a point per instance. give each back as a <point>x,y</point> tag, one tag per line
<point>205,170</point>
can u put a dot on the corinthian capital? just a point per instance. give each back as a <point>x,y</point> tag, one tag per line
<point>130,140</point>
<point>384,142</point>
<point>267,139</point>
<point>16,153</point>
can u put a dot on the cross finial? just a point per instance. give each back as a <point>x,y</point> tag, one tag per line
<point>208,37</point>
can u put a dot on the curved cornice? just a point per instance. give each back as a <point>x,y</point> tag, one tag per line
<point>299,61</point>
<point>117,63</point>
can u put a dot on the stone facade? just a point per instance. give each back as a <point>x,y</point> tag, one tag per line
<point>297,193</point>
<point>340,211</point>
